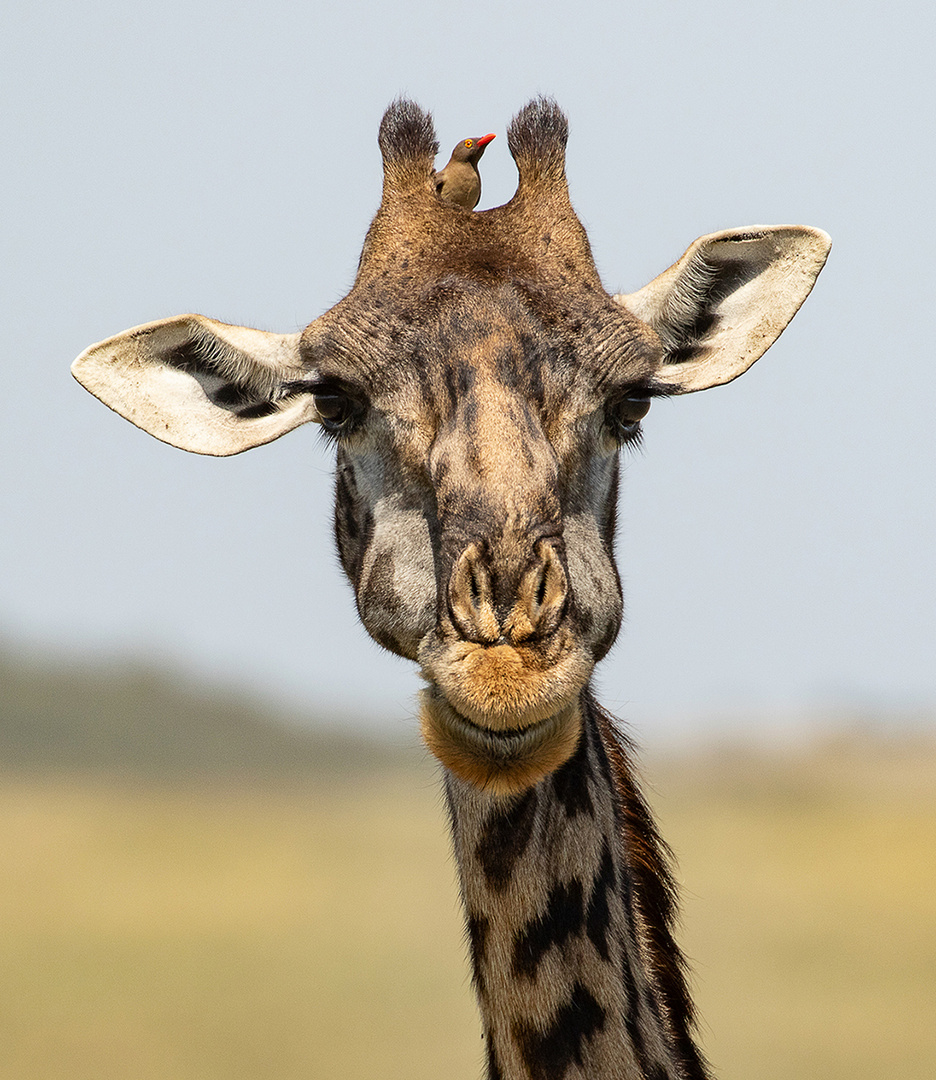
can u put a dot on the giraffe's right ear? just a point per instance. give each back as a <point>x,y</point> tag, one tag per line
<point>199,384</point>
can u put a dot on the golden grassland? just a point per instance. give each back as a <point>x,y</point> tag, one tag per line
<point>809,898</point>
<point>310,928</point>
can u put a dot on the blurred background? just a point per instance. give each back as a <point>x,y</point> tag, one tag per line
<point>221,850</point>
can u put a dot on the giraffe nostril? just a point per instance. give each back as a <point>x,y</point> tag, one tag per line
<point>532,607</point>
<point>544,592</point>
<point>471,599</point>
<point>541,591</point>
<point>475,587</point>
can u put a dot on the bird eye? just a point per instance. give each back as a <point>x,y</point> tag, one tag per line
<point>469,143</point>
<point>624,416</point>
<point>335,410</point>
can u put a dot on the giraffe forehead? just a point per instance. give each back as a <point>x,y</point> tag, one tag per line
<point>499,394</point>
<point>434,350</point>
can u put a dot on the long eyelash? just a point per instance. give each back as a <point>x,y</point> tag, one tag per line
<point>331,438</point>
<point>633,442</point>
<point>336,436</point>
<point>637,442</point>
<point>657,388</point>
<point>302,386</point>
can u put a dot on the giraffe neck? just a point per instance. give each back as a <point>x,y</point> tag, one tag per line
<point>569,906</point>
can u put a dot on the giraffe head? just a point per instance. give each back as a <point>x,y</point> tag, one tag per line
<point>478,383</point>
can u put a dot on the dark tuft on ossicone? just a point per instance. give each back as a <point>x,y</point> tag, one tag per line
<point>538,134</point>
<point>407,133</point>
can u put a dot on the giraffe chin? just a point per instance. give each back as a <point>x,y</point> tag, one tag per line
<point>499,762</point>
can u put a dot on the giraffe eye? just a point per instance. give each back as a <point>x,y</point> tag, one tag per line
<point>625,414</point>
<point>335,410</point>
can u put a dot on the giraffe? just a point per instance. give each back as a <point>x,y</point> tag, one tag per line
<point>478,383</point>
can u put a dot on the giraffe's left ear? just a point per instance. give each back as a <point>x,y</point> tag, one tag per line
<point>199,384</point>
<point>727,300</point>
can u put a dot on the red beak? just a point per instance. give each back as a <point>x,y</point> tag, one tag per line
<point>484,140</point>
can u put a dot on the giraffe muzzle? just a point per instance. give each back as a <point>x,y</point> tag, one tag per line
<point>504,656</point>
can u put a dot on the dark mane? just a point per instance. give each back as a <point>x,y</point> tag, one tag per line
<point>649,862</point>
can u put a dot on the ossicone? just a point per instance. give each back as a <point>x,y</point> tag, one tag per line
<point>407,141</point>
<point>537,138</point>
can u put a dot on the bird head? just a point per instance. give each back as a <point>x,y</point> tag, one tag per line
<point>471,149</point>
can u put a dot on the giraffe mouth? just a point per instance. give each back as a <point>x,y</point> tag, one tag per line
<point>501,762</point>
<point>507,688</point>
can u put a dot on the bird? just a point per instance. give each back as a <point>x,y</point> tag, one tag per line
<point>459,183</point>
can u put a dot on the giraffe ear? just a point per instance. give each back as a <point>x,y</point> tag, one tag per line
<point>199,384</point>
<point>728,299</point>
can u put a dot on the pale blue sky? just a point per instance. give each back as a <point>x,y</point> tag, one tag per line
<point>777,535</point>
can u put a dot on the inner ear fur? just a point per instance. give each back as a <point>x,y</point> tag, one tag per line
<point>726,301</point>
<point>199,384</point>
